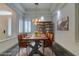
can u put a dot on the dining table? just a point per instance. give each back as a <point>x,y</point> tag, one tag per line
<point>37,40</point>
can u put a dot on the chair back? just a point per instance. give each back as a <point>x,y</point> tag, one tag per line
<point>50,39</point>
<point>21,42</point>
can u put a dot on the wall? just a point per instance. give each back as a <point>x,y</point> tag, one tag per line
<point>67,38</point>
<point>3,25</point>
<point>77,21</point>
<point>6,43</point>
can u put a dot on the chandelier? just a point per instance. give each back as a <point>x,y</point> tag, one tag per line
<point>35,20</point>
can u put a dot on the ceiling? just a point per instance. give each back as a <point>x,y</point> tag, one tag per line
<point>39,7</point>
<point>31,8</point>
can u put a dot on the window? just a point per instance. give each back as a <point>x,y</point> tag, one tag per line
<point>20,25</point>
<point>10,26</point>
<point>27,26</point>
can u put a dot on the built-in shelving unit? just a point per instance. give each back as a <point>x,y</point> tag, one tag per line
<point>45,26</point>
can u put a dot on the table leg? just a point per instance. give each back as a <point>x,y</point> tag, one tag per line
<point>35,49</point>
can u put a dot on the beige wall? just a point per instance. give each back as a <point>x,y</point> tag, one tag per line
<point>77,21</point>
<point>3,25</point>
<point>6,43</point>
<point>67,39</point>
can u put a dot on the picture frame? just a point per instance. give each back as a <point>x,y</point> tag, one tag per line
<point>63,24</point>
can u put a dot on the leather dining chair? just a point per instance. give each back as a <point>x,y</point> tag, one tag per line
<point>49,41</point>
<point>22,43</point>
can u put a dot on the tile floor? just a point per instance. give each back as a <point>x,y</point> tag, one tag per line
<point>26,51</point>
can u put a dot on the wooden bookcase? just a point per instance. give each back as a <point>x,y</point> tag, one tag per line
<point>45,26</point>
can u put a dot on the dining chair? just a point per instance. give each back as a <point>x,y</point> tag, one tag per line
<point>22,43</point>
<point>49,41</point>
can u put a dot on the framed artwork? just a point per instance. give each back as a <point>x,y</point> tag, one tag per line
<point>63,24</point>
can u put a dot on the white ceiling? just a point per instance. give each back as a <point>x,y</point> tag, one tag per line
<point>32,8</point>
<point>39,7</point>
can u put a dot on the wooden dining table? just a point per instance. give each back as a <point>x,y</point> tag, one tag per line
<point>37,40</point>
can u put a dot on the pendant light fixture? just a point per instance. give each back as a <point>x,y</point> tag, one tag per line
<point>35,20</point>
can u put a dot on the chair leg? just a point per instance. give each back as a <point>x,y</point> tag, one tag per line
<point>43,50</point>
<point>26,51</point>
<point>19,52</point>
<point>43,47</point>
<point>51,48</point>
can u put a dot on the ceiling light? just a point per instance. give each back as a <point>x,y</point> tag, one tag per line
<point>35,20</point>
<point>58,14</point>
<point>42,18</point>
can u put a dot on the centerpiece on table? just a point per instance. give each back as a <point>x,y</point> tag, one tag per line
<point>37,33</point>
